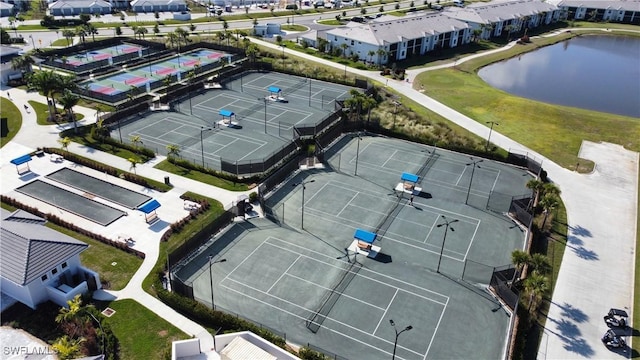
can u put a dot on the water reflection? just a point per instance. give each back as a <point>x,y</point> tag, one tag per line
<point>593,72</point>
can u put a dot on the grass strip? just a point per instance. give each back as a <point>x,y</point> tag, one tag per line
<point>14,119</point>
<point>165,165</point>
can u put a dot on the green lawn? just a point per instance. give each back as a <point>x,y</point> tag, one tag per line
<point>14,119</point>
<point>552,130</point>
<point>42,113</point>
<point>294,28</point>
<point>84,138</point>
<point>141,333</point>
<point>200,176</point>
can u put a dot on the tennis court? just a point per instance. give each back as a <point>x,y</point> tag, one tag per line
<point>251,129</point>
<point>69,201</point>
<point>100,188</point>
<point>305,282</point>
<point>141,76</point>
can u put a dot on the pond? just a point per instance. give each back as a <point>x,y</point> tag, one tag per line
<point>598,73</point>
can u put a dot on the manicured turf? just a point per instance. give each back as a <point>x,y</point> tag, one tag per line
<point>14,119</point>
<point>141,333</point>
<point>200,176</point>
<point>552,130</point>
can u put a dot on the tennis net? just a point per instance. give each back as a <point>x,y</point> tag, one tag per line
<point>386,222</point>
<point>426,166</point>
<point>317,319</point>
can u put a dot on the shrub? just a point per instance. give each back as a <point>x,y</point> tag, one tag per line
<point>253,197</point>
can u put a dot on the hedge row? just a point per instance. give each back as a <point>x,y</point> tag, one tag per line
<point>146,152</point>
<point>68,225</point>
<point>219,174</point>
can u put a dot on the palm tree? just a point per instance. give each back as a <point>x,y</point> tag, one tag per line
<point>166,82</point>
<point>540,264</point>
<point>140,32</point>
<point>252,52</point>
<point>135,140</point>
<point>520,258</point>
<point>476,34</point>
<point>381,53</point>
<point>536,286</point>
<point>133,162</point>
<point>81,32</point>
<point>47,83</point>
<point>90,29</point>
<point>370,54</point>
<point>68,34</point>
<point>536,186</point>
<point>68,101</point>
<point>173,39</point>
<point>64,143</point>
<point>551,189</point>
<point>173,150</point>
<point>102,131</point>
<point>67,348</point>
<point>22,63</point>
<point>548,203</point>
<point>344,48</point>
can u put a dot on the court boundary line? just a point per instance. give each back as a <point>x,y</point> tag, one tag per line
<point>443,305</point>
<point>284,273</point>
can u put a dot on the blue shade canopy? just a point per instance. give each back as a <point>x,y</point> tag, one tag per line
<point>274,89</point>
<point>366,236</point>
<point>149,206</point>
<point>21,160</point>
<point>409,177</point>
<point>226,113</point>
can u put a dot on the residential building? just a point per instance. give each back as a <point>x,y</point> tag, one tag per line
<point>77,7</point>
<point>40,264</point>
<point>151,6</point>
<point>6,9</point>
<point>496,17</point>
<point>7,72</point>
<point>389,39</point>
<point>234,346</point>
<point>623,11</point>
<point>384,41</point>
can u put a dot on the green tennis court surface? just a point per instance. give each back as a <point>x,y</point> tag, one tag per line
<point>71,202</point>
<point>100,188</point>
<point>302,282</point>
<point>263,127</point>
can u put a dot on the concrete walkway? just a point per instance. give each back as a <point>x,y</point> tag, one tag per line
<point>601,209</point>
<point>598,266</point>
<point>32,136</point>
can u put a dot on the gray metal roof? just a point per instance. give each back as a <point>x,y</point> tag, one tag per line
<point>401,29</point>
<point>157,2</point>
<point>29,249</point>
<point>79,4</point>
<point>4,5</point>
<point>631,5</point>
<point>498,10</point>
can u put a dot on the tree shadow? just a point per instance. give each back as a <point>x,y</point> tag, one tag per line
<point>580,231</point>
<point>575,241</point>
<point>585,253</point>
<point>573,313</point>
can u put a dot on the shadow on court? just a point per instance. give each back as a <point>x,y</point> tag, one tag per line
<point>300,277</point>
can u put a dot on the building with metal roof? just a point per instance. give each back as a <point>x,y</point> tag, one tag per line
<point>40,264</point>
<point>623,11</point>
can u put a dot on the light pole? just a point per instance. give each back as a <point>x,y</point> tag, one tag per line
<point>395,343</point>
<point>213,304</point>
<point>446,223</point>
<point>32,42</point>
<point>202,129</point>
<point>303,183</point>
<point>474,163</point>
<point>265,113</point>
<point>395,112</point>
<point>357,153</point>
<point>486,147</point>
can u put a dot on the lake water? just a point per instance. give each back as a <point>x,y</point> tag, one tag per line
<point>599,73</point>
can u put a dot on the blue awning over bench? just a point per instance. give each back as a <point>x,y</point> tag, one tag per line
<point>409,177</point>
<point>21,160</point>
<point>149,206</point>
<point>366,236</point>
<point>274,89</point>
<point>226,113</point>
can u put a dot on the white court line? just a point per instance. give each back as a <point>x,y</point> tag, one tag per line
<point>431,229</point>
<point>436,329</point>
<point>495,182</point>
<point>329,289</point>
<point>252,151</point>
<point>361,151</point>
<point>460,177</point>
<point>284,273</point>
<point>347,204</point>
<point>362,269</point>
<point>222,147</point>
<point>390,157</point>
<point>245,259</point>
<point>385,311</point>
<point>472,238</point>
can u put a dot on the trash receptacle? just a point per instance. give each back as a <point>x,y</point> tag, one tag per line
<point>166,180</point>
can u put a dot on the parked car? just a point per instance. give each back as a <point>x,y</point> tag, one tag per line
<point>616,318</point>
